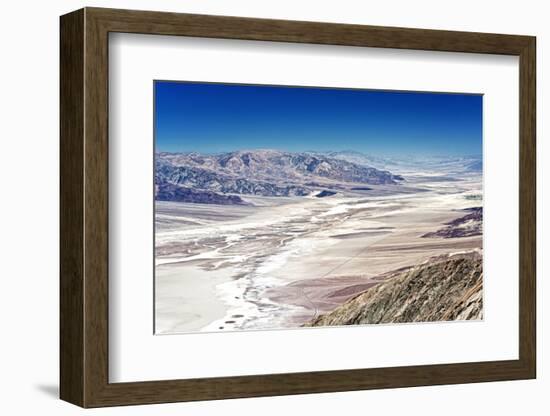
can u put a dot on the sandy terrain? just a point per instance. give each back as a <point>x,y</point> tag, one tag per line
<point>177,308</point>
<point>283,261</point>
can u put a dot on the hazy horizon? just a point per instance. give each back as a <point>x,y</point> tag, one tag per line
<point>212,118</point>
<point>369,154</point>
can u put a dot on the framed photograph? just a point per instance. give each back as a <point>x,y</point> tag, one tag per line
<point>257,207</point>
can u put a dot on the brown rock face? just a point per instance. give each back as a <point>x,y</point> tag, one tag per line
<point>444,289</point>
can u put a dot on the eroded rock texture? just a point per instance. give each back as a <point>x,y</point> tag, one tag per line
<point>443,289</point>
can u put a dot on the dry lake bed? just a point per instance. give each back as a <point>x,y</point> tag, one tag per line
<point>280,262</point>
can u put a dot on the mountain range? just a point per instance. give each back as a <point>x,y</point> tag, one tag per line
<point>257,172</point>
<point>407,164</point>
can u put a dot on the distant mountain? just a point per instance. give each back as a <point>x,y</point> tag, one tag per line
<point>263,172</point>
<point>360,158</point>
<point>475,166</point>
<point>404,165</point>
<point>210,180</point>
<point>170,192</point>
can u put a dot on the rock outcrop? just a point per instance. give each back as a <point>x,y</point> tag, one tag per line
<point>466,226</point>
<point>325,193</point>
<point>443,289</point>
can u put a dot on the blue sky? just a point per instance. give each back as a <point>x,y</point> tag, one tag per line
<point>210,118</point>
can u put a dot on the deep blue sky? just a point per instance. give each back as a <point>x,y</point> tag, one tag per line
<point>210,118</point>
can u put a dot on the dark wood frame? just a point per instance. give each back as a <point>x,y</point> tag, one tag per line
<point>84,208</point>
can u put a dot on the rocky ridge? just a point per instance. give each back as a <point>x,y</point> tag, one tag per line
<point>442,289</point>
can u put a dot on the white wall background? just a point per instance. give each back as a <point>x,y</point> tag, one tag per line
<point>29,209</point>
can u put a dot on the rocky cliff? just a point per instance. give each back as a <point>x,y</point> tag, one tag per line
<point>443,289</point>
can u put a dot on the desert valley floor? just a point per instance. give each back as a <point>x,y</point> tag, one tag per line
<point>283,262</point>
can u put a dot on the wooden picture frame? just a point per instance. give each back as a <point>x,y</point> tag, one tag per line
<point>84,207</point>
